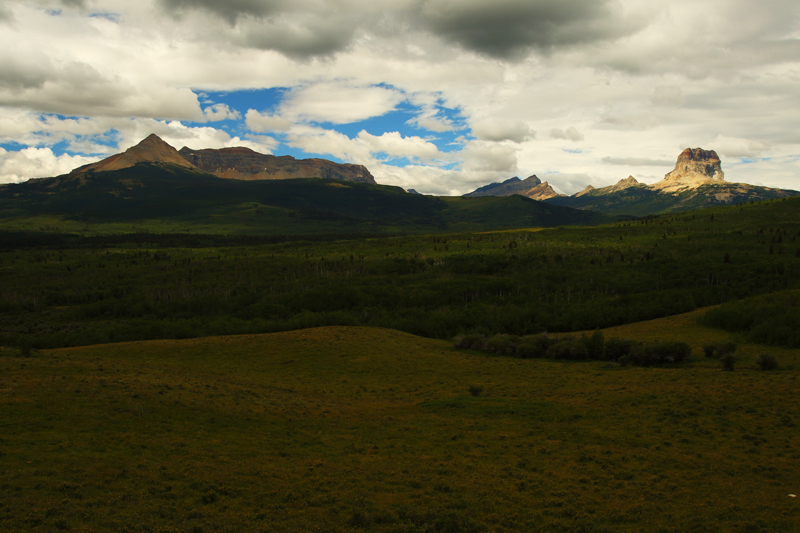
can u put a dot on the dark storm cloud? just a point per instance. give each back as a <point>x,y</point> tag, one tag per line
<point>229,10</point>
<point>503,28</point>
<point>311,37</point>
<point>293,28</point>
<point>511,28</point>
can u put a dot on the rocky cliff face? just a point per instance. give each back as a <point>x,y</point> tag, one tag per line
<point>695,167</point>
<point>543,191</point>
<point>246,164</point>
<point>696,182</point>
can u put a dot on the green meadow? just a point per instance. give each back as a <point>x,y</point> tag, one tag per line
<point>369,429</point>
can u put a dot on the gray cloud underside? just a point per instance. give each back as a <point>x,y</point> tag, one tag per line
<point>507,29</point>
<point>638,162</point>
<point>316,37</point>
<point>229,10</point>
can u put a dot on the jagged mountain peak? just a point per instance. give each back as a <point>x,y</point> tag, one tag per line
<point>152,149</point>
<point>507,188</point>
<point>543,191</point>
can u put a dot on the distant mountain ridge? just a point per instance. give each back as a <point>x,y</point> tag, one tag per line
<point>697,181</point>
<point>245,164</point>
<point>531,187</point>
<point>153,182</point>
<point>238,163</point>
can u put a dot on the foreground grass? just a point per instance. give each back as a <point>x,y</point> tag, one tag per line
<point>340,429</point>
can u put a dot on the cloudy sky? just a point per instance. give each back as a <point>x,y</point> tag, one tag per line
<point>438,95</point>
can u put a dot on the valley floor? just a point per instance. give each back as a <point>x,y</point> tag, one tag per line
<point>349,428</point>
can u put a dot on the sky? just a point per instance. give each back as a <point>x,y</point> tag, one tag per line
<point>441,96</point>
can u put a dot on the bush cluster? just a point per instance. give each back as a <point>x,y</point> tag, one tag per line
<point>719,350</point>
<point>766,361</point>
<point>585,347</point>
<point>725,352</point>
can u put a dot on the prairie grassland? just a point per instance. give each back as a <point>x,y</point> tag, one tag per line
<point>349,428</point>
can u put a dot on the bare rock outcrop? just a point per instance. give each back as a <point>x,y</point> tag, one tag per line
<point>695,167</point>
<point>543,191</point>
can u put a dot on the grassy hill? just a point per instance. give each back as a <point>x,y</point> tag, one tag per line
<point>354,429</point>
<point>167,198</point>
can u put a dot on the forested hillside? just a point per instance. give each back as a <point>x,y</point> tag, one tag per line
<point>112,289</point>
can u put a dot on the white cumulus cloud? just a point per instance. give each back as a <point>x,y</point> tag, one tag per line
<point>21,165</point>
<point>217,112</point>
<point>265,122</point>
<point>338,103</point>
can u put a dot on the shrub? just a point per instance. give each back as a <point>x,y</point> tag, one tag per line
<point>475,390</point>
<point>668,352</point>
<point>502,344</point>
<point>540,343</point>
<point>616,348</point>
<point>726,348</point>
<point>728,361</point>
<point>569,349</point>
<point>720,349</point>
<point>471,341</point>
<point>595,345</point>
<point>656,353</point>
<point>766,361</point>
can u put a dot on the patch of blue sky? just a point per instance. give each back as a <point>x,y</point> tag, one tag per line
<point>749,160</point>
<point>53,12</point>
<point>262,100</point>
<point>113,17</point>
<point>62,147</point>
<point>572,151</point>
<point>402,120</point>
<point>13,146</point>
<point>297,153</point>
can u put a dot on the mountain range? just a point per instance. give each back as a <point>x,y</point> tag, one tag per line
<point>237,190</point>
<point>232,163</point>
<point>697,181</point>
<point>531,187</point>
